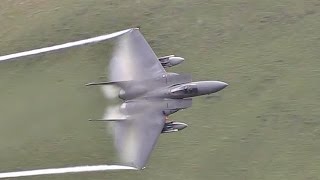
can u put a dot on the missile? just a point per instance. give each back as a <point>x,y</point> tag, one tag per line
<point>171,60</point>
<point>173,127</point>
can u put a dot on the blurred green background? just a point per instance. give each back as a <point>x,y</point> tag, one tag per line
<point>265,125</point>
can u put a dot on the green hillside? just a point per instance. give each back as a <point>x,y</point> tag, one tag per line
<point>265,125</point>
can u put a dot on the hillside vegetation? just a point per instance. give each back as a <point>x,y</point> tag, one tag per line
<point>265,125</point>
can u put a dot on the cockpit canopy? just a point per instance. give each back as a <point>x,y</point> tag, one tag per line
<point>186,89</point>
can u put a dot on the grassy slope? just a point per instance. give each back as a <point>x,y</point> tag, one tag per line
<point>265,125</point>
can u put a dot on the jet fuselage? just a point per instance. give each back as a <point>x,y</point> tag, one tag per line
<point>178,91</point>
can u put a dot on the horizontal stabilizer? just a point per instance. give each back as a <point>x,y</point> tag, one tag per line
<point>100,83</point>
<point>121,84</point>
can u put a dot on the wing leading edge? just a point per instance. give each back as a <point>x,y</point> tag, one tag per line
<point>133,59</point>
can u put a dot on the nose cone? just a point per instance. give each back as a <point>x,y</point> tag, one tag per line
<point>208,87</point>
<point>219,85</point>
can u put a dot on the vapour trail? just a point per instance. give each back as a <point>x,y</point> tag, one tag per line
<point>63,46</point>
<point>64,170</point>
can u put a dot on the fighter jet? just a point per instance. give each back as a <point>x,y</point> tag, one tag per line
<point>149,94</point>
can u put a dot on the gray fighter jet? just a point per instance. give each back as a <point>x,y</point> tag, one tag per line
<point>149,94</point>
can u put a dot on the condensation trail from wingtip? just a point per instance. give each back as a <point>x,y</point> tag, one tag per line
<point>63,46</point>
<point>65,170</point>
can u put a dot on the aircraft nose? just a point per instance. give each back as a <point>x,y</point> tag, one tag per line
<point>218,86</point>
<point>208,87</point>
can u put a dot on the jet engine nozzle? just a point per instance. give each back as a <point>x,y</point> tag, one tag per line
<point>134,92</point>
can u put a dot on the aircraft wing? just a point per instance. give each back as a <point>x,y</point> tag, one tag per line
<point>136,137</point>
<point>133,59</point>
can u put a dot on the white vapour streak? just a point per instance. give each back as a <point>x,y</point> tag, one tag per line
<point>110,91</point>
<point>113,112</point>
<point>63,46</point>
<point>122,67</point>
<point>65,170</point>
